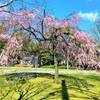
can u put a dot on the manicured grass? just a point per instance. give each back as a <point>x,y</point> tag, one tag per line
<point>60,67</point>
<point>41,86</point>
<point>45,66</point>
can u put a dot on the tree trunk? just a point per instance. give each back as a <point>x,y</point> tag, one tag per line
<point>67,60</point>
<point>56,69</point>
<point>67,63</point>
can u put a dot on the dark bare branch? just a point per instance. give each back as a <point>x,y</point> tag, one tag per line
<point>7,4</point>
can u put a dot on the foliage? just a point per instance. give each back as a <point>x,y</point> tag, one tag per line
<point>61,37</point>
<point>2,44</point>
<point>57,35</point>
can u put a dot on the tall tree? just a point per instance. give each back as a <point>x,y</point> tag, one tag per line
<point>57,35</point>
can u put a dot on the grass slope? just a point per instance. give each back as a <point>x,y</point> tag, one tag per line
<point>41,86</point>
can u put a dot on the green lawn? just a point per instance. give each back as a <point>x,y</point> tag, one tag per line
<point>25,84</point>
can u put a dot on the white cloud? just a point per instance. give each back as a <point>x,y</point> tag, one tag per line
<point>91,16</point>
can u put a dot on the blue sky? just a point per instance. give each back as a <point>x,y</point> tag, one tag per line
<point>87,9</point>
<point>62,8</point>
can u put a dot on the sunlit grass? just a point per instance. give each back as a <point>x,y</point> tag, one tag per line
<point>41,86</point>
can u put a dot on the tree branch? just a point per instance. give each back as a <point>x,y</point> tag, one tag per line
<point>6,4</point>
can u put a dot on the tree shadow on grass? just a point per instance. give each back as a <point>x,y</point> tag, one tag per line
<point>65,95</point>
<point>62,91</point>
<point>93,77</point>
<point>82,86</point>
<point>72,82</point>
<point>20,84</point>
<point>24,76</point>
<point>25,91</point>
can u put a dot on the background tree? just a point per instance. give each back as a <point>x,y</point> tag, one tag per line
<point>54,34</point>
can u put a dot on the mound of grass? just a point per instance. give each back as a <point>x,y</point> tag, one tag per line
<point>39,86</point>
<point>33,89</point>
